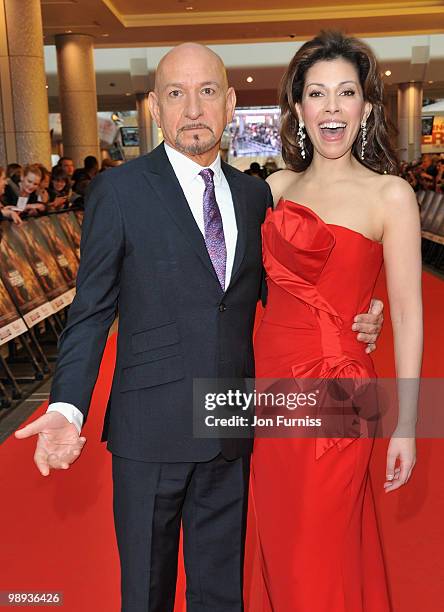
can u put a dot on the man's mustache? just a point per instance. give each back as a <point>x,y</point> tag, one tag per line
<point>194,126</point>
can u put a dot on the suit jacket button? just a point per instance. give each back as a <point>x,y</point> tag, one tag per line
<point>222,307</point>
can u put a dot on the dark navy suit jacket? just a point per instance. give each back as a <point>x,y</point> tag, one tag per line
<point>144,257</point>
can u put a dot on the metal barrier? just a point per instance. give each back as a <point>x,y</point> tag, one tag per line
<point>432,227</point>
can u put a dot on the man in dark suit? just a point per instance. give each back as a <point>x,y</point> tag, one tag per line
<point>171,239</point>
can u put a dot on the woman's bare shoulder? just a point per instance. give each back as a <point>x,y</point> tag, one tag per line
<point>395,191</point>
<point>398,203</point>
<point>279,182</point>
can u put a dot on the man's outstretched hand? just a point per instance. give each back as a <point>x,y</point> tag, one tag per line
<point>58,442</point>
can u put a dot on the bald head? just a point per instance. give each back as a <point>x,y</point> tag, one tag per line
<point>186,56</point>
<point>191,101</point>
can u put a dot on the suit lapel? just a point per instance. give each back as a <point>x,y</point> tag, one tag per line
<point>240,210</point>
<point>163,181</point>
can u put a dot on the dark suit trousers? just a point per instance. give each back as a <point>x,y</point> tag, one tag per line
<point>150,502</point>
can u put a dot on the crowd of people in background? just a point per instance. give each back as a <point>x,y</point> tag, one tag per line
<point>33,190</point>
<point>259,138</point>
<point>64,186</point>
<point>425,174</point>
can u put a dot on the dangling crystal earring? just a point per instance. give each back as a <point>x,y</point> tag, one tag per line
<point>301,138</point>
<point>363,138</point>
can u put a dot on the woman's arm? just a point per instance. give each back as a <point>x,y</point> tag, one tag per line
<point>403,266</point>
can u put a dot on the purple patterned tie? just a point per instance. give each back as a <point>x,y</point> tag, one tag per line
<point>214,231</point>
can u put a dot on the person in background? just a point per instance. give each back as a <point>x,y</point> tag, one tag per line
<point>89,170</point>
<point>14,176</point>
<point>67,164</point>
<point>59,189</point>
<point>28,185</point>
<point>77,198</point>
<point>42,189</point>
<point>108,163</point>
<point>254,170</point>
<point>439,184</point>
<point>5,212</point>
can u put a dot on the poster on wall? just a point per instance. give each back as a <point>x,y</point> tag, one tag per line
<point>433,142</point>
<point>11,323</point>
<point>20,280</point>
<point>44,264</point>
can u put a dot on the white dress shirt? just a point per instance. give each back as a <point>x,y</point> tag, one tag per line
<point>187,173</point>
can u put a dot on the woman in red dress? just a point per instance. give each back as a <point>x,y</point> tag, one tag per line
<point>339,213</point>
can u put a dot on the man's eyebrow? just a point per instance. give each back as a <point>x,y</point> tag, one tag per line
<point>182,85</point>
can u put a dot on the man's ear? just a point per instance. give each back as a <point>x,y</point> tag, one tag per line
<point>230,104</point>
<point>153,105</point>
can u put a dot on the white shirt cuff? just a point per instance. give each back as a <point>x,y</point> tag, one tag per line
<point>69,411</point>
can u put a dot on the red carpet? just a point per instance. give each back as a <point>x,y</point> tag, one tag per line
<point>57,533</point>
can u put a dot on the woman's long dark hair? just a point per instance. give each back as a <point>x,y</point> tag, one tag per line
<point>379,153</point>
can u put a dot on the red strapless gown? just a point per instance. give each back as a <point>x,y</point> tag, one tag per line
<point>318,540</point>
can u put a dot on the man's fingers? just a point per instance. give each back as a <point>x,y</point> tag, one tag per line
<point>57,463</point>
<point>370,348</point>
<point>29,430</point>
<point>376,306</point>
<point>367,338</point>
<point>366,328</point>
<point>41,461</point>
<point>49,456</point>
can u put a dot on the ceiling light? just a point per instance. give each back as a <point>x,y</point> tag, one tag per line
<point>105,35</point>
<point>388,73</point>
<point>250,79</point>
<point>46,86</point>
<point>189,8</point>
<point>128,93</point>
<point>430,82</point>
<point>68,31</point>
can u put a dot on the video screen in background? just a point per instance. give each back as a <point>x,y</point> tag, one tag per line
<point>254,132</point>
<point>130,136</point>
<point>427,126</point>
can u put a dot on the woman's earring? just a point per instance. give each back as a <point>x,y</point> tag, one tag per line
<point>363,138</point>
<point>301,138</point>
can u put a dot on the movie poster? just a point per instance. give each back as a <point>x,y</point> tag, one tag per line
<point>20,280</point>
<point>61,247</point>
<point>79,216</point>
<point>44,264</point>
<point>72,229</point>
<point>11,323</point>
